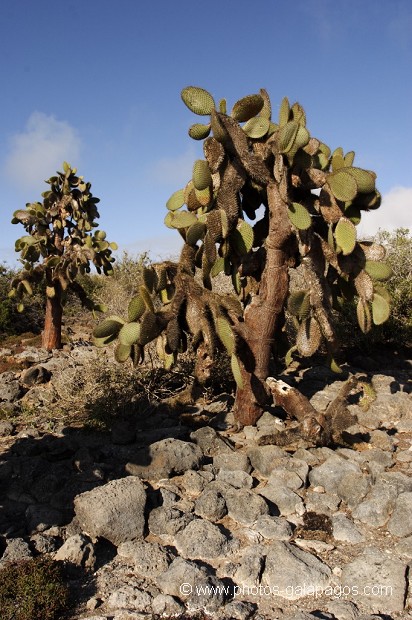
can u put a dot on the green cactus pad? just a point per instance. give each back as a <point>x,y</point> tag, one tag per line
<point>218,267</point>
<point>363,314</point>
<point>365,180</point>
<point>103,342</point>
<point>226,335</point>
<point>198,131</point>
<point>122,352</point>
<point>298,114</point>
<point>299,304</point>
<point>204,196</point>
<point>195,233</point>
<point>345,235</point>
<point>242,238</point>
<point>129,334</point>
<point>223,106</point>
<point>309,337</point>
<point>136,308</point>
<point>284,112</point>
<point>176,200</point>
<point>237,374</point>
<point>378,270</point>
<point>201,176</point>
<point>349,157</point>
<point>256,127</point>
<point>247,107</point>
<point>287,135</point>
<point>182,219</point>
<point>338,161</point>
<point>353,214</point>
<point>343,185</point>
<point>380,309</point>
<point>145,295</point>
<point>299,216</point>
<point>198,100</point>
<point>109,327</point>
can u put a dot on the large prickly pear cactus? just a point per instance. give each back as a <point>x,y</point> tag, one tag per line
<point>266,198</point>
<point>59,245</point>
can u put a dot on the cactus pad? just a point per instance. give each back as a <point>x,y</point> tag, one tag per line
<point>201,174</point>
<point>380,309</point>
<point>129,334</point>
<point>299,304</point>
<point>299,216</point>
<point>198,131</point>
<point>176,201</point>
<point>363,314</point>
<point>345,235</point>
<point>343,185</point>
<point>378,270</point>
<point>136,308</point>
<point>122,352</point>
<point>256,127</point>
<point>198,100</point>
<point>247,107</point>
<point>226,335</point>
<point>237,374</point>
<point>109,327</point>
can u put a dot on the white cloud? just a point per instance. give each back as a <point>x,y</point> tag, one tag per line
<point>37,152</point>
<point>394,212</point>
<point>173,170</point>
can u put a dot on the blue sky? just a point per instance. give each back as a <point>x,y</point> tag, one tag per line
<point>97,83</point>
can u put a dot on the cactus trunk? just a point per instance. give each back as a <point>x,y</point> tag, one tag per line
<point>52,333</point>
<point>264,316</point>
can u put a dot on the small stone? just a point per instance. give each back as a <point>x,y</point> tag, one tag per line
<point>195,482</point>
<point>273,528</point>
<point>130,598</point>
<point>77,550</point>
<point>164,459</point>
<point>6,429</point>
<point>384,576</point>
<point>245,506</point>
<point>263,458</point>
<point>250,568</point>
<point>150,559</point>
<point>114,511</point>
<point>202,540</point>
<point>166,605</point>
<point>191,583</point>
<point>35,375</point>
<point>166,522</point>
<point>404,547</point>
<point>237,479</point>
<point>17,549</point>
<point>324,503</point>
<point>381,439</point>
<point>210,442</point>
<point>353,488</point>
<point>344,530</point>
<point>93,603</point>
<point>285,500</point>
<point>211,505</point>
<point>378,505</point>
<point>331,472</point>
<point>318,489</point>
<point>318,546</point>
<point>239,610</point>
<point>292,571</point>
<point>232,461</point>
<point>343,610</point>
<point>400,523</point>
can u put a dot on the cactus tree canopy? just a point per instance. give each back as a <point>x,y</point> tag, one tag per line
<point>59,246</point>
<point>266,198</point>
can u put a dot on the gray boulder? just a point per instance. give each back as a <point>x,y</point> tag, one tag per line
<point>165,458</point>
<point>292,572</point>
<point>150,559</point>
<point>202,540</point>
<point>78,550</point>
<point>114,511</point>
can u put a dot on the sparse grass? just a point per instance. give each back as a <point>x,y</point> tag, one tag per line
<point>33,590</point>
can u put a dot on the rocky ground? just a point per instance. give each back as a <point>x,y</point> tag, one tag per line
<point>169,516</point>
